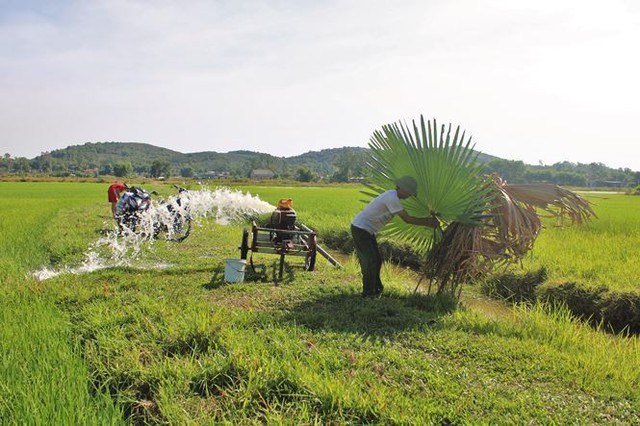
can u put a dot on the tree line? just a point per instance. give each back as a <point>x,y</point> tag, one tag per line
<point>564,173</point>
<point>336,165</point>
<point>129,159</point>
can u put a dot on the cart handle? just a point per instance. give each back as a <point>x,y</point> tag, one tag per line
<point>288,231</point>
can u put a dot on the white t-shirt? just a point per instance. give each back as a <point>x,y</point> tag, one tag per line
<point>378,212</point>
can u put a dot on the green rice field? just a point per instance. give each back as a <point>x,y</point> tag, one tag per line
<point>601,253</point>
<point>160,338</point>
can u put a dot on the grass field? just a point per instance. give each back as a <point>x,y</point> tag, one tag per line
<point>601,253</point>
<point>174,344</point>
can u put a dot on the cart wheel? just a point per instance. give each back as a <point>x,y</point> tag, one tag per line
<point>310,259</point>
<point>244,247</point>
<point>181,228</point>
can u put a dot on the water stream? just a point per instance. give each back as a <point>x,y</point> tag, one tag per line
<point>126,247</point>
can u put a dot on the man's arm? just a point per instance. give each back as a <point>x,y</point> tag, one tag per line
<point>431,222</point>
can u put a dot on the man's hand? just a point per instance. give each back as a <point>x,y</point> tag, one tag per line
<point>430,221</point>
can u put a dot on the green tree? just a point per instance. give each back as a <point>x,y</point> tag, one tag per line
<point>141,169</point>
<point>343,164</point>
<point>106,169</point>
<point>123,169</point>
<point>160,168</point>
<point>21,165</point>
<point>186,172</point>
<point>305,174</point>
<point>42,163</point>
<point>349,163</point>
<point>5,163</point>
<point>539,174</point>
<point>509,170</point>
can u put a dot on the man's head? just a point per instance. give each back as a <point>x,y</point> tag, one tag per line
<point>406,187</point>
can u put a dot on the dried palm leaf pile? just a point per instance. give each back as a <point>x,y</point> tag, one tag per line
<point>484,222</point>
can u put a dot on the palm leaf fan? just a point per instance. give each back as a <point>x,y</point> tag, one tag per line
<point>444,166</point>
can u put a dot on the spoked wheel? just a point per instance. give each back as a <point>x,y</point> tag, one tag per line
<point>244,246</point>
<point>127,223</point>
<point>310,259</point>
<point>181,228</point>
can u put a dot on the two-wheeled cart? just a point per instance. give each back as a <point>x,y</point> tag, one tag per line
<point>281,242</point>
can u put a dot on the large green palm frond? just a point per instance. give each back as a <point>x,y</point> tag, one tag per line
<point>443,163</point>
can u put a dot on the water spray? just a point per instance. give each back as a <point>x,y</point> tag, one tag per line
<point>124,247</point>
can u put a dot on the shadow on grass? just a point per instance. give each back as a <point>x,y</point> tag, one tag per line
<point>127,271</point>
<point>383,316</point>
<point>344,311</point>
<point>259,273</point>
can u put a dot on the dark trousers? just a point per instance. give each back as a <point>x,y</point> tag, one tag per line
<point>370,260</point>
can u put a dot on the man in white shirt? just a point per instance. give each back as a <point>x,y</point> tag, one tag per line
<point>372,219</point>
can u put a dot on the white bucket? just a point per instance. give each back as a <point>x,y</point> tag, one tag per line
<point>234,270</point>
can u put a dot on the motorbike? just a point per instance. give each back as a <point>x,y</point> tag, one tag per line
<point>170,219</point>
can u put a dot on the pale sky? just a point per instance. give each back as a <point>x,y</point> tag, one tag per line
<point>531,80</point>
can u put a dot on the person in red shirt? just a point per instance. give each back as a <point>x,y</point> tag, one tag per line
<point>113,194</point>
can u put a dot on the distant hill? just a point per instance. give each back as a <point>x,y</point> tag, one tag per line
<point>109,152</point>
<point>102,156</point>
